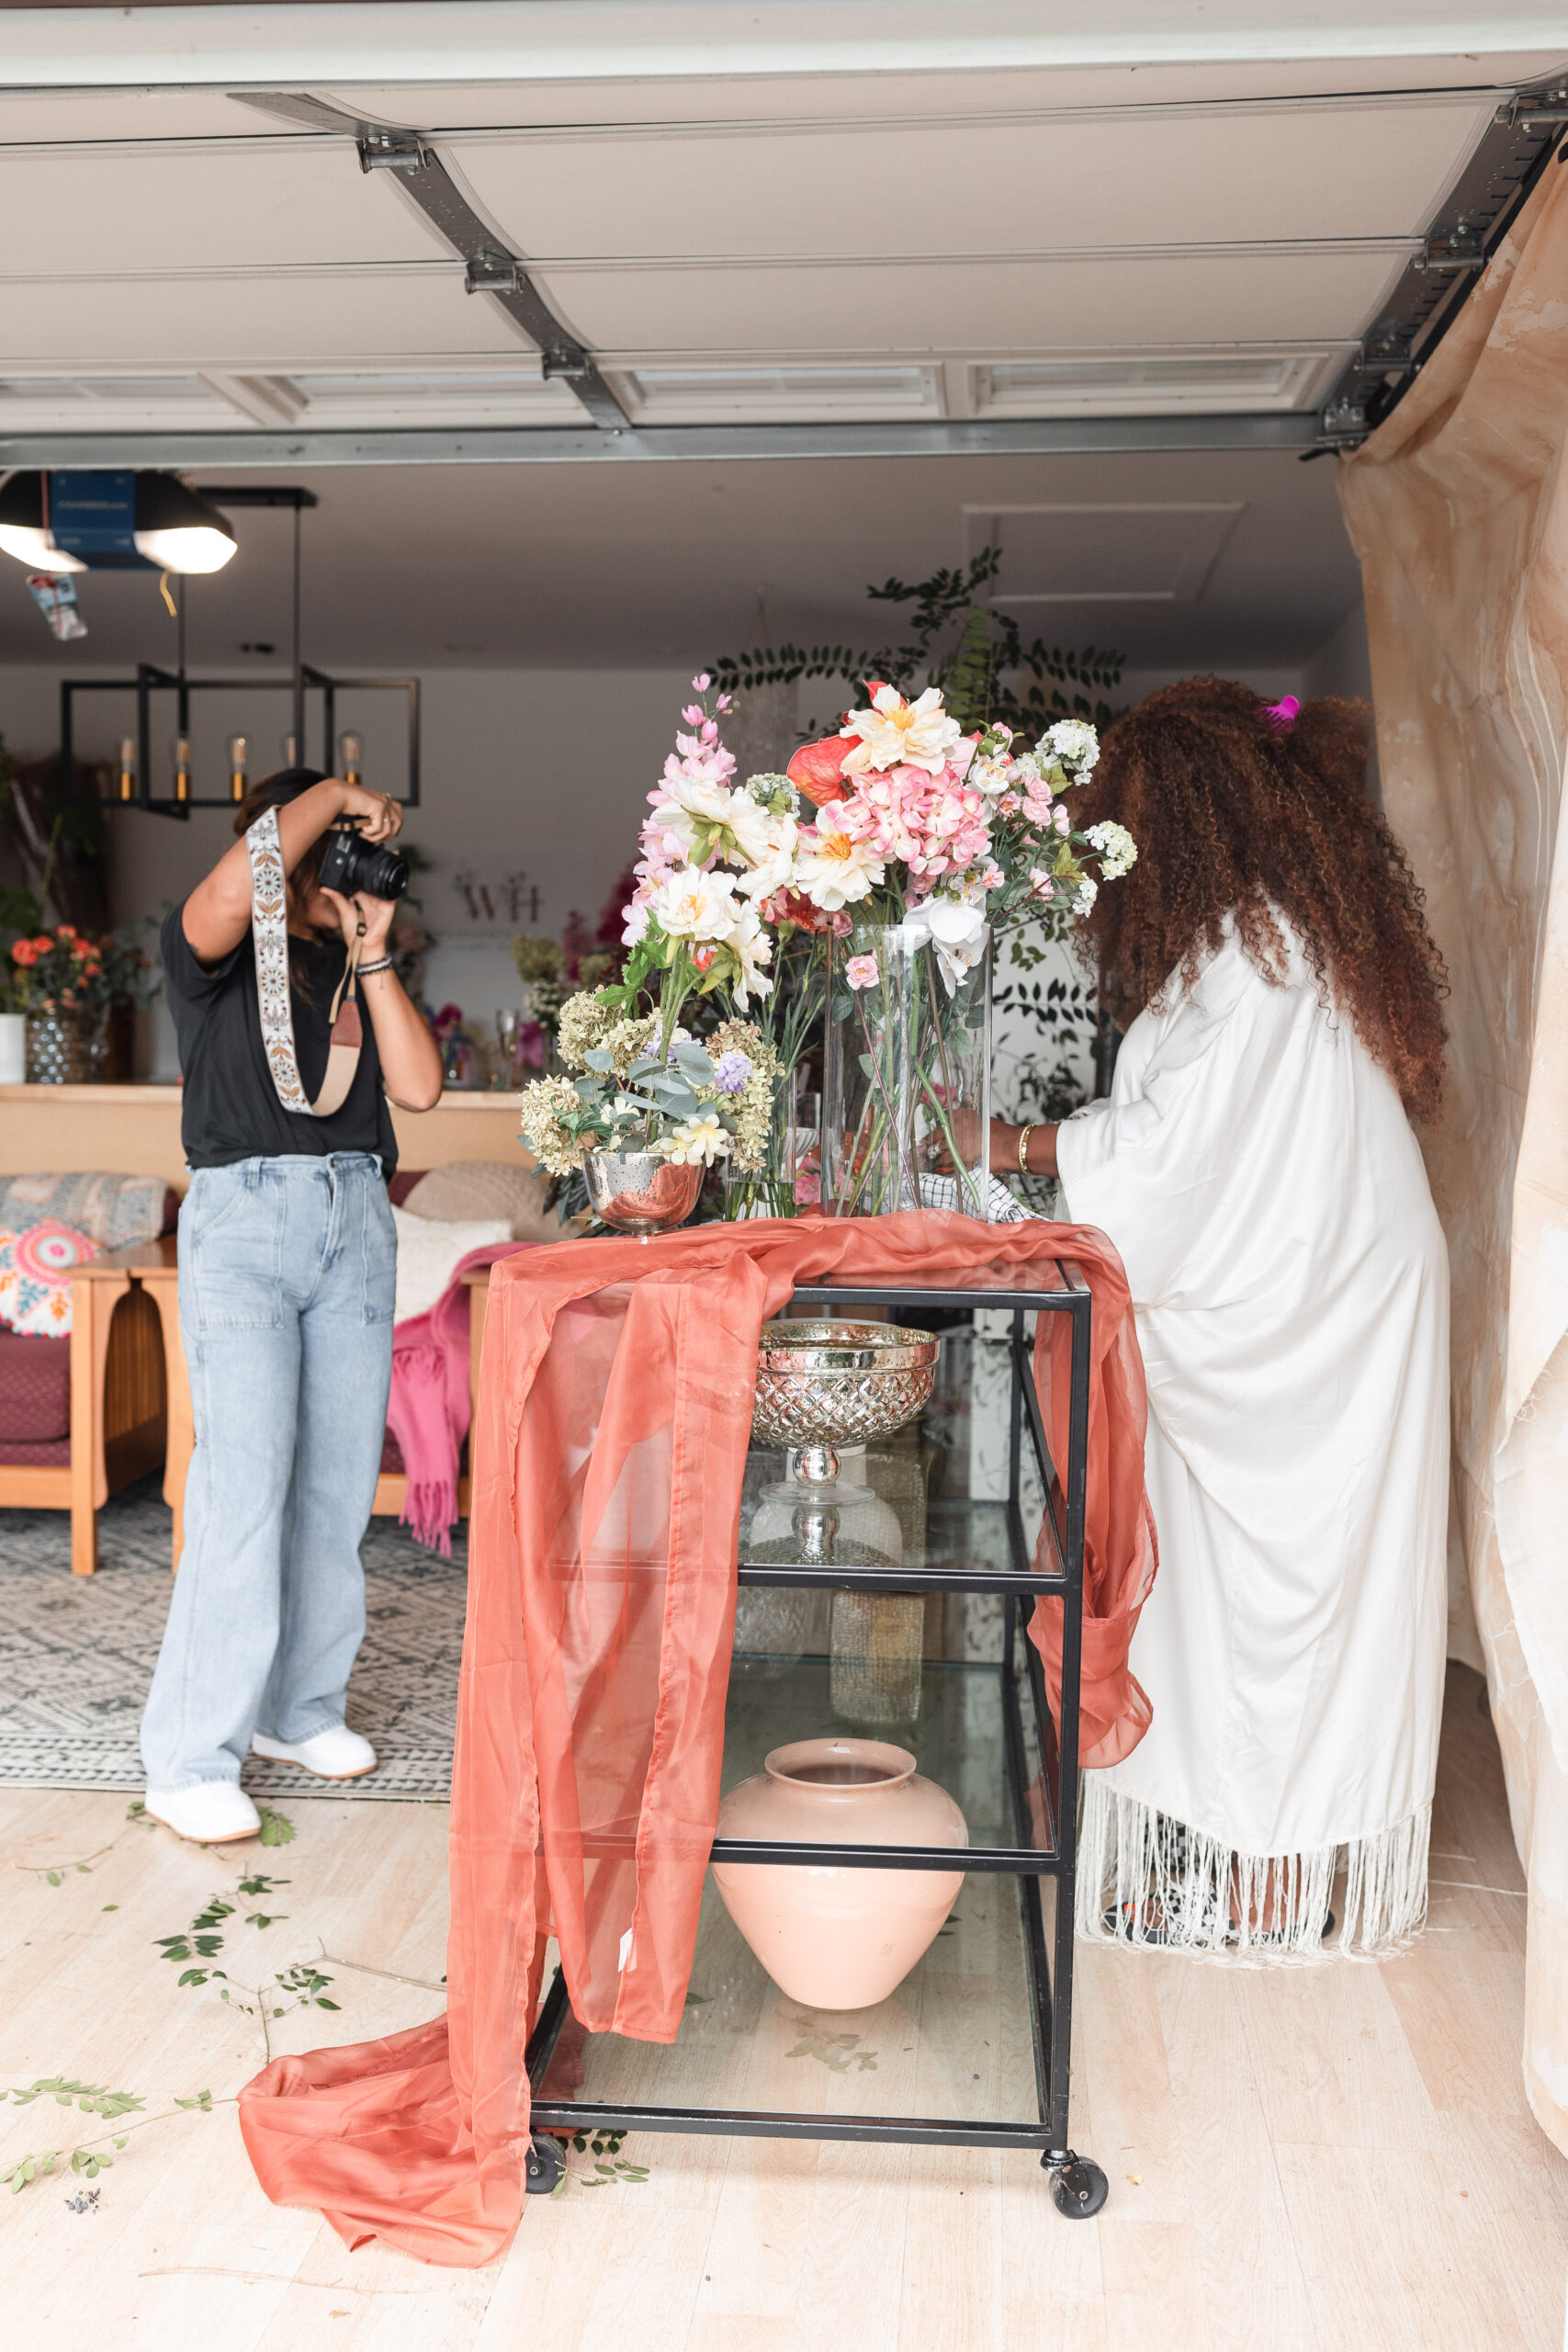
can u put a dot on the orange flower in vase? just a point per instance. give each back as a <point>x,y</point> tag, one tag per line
<point>818,769</point>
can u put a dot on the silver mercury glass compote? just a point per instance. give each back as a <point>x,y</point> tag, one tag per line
<point>822,1385</point>
<point>641,1192</point>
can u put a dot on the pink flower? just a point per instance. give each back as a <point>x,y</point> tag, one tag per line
<point>701,682</point>
<point>693,713</point>
<point>1039,883</point>
<point>861,971</point>
<point>636,926</point>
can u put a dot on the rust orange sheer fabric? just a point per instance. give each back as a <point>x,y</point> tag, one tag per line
<point>614,1416</point>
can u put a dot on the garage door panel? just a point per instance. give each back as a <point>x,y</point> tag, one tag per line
<point>913,188</point>
<point>264,326</point>
<point>278,205</point>
<point>1000,307</point>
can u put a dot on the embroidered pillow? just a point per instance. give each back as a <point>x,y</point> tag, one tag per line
<point>35,1277</point>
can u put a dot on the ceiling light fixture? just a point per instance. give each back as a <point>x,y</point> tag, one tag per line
<point>65,521</point>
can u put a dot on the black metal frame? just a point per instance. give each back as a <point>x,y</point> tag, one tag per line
<point>150,680</point>
<point>1078,2186</point>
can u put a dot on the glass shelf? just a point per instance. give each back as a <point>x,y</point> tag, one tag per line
<point>957,1739</point>
<point>952,2042</point>
<point>883,1525</point>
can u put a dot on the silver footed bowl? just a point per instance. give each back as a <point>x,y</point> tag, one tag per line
<point>824,1384</point>
<point>641,1192</point>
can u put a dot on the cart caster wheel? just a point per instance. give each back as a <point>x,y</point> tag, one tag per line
<point>1078,2188</point>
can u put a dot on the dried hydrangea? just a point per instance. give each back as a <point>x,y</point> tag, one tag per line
<point>584,1023</point>
<point>626,1041</point>
<point>538,958</point>
<point>752,1108</point>
<point>542,1110</point>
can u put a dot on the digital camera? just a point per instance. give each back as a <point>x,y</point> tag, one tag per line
<point>351,864</point>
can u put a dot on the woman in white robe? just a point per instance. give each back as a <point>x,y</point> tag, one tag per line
<point>1256,1169</point>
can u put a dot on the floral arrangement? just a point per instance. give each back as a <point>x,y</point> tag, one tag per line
<point>950,833</point>
<point>60,971</point>
<point>695,1103</point>
<point>900,820</point>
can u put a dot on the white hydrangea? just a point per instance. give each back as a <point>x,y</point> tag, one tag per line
<point>1117,849</point>
<point>1086,895</point>
<point>1070,744</point>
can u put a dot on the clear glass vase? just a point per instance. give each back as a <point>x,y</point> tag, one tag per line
<point>787,1184</point>
<point>906,1112</point>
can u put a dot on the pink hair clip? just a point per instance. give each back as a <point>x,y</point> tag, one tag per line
<point>1281,716</point>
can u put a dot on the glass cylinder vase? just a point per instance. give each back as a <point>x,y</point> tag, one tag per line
<point>906,1111</point>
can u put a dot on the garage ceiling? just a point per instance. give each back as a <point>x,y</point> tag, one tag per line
<point>991,226</point>
<point>1008,220</point>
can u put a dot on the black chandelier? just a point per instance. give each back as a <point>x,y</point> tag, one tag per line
<point>162,694</point>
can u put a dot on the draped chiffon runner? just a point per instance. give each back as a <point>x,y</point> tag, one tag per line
<point>614,1416</point>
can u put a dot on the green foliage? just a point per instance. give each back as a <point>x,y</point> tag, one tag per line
<point>92,2098</point>
<point>276,1829</point>
<point>988,676</point>
<point>91,2157</point>
<point>1045,1083</point>
<point>833,2051</point>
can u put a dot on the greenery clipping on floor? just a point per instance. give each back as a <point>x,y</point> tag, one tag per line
<point>91,2156</point>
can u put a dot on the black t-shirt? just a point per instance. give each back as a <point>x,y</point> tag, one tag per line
<point>230,1110</point>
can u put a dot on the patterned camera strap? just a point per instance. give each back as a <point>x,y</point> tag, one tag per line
<point>269,932</point>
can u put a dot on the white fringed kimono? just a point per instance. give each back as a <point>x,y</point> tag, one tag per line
<point>1256,1169</point>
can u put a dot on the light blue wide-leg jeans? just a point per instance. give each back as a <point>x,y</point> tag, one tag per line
<point>288,1268</point>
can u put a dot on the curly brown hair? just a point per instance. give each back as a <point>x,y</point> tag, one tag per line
<point>1234,818</point>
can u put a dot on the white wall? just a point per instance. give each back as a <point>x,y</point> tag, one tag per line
<point>534,781</point>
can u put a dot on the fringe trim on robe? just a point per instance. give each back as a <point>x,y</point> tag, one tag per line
<point>1170,1888</point>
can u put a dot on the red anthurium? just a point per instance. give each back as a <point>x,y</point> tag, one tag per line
<point>816,770</point>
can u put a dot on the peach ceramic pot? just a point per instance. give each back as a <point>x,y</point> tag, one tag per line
<point>839,1938</point>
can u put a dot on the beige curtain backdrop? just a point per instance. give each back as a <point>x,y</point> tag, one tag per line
<point>1458,510</point>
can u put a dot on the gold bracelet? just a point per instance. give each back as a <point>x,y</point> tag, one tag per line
<point>1023,1135</point>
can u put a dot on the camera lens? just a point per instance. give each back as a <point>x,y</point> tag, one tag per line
<point>380,872</point>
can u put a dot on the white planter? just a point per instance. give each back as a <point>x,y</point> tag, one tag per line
<point>13,1048</point>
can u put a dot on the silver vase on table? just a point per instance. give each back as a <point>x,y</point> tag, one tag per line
<point>640,1191</point>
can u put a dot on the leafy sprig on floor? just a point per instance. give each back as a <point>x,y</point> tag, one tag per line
<point>833,2051</point>
<point>92,2156</point>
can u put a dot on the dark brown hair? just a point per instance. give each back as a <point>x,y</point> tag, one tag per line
<point>1235,818</point>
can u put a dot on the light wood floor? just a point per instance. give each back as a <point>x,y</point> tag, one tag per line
<point>1314,2158</point>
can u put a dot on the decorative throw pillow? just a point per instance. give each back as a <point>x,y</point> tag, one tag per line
<point>35,1277</point>
<point>429,1254</point>
<point>114,1211</point>
<point>488,1188</point>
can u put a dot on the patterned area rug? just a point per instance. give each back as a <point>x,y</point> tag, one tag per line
<point>76,1655</point>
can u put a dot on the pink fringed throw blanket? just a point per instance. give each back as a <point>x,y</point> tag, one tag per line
<point>428,1409</point>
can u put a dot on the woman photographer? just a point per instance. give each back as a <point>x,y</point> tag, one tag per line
<point>288,1259</point>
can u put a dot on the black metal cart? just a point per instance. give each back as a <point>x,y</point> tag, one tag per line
<point>1044,1838</point>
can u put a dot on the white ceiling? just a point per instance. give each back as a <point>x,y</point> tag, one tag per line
<point>1224,559</point>
<point>798,211</point>
<point>1203,229</point>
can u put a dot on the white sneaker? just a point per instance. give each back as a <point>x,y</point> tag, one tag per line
<point>211,1813</point>
<point>335,1753</point>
